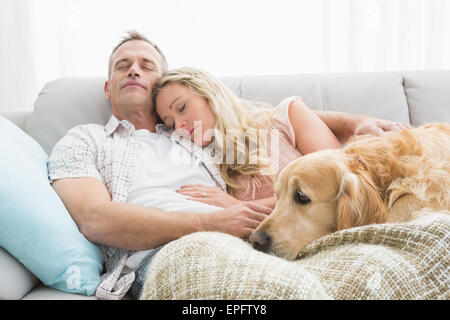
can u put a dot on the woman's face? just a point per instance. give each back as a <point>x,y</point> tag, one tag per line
<point>186,112</point>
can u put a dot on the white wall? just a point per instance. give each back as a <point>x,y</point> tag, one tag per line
<point>45,39</point>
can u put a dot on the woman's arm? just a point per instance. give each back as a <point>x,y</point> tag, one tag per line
<point>311,133</point>
<point>217,197</point>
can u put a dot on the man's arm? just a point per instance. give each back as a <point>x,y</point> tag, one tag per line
<point>345,125</point>
<point>123,225</point>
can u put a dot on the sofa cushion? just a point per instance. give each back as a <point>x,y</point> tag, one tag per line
<point>42,292</point>
<point>15,279</point>
<point>428,96</point>
<point>65,103</point>
<point>35,227</point>
<point>272,89</point>
<point>377,94</point>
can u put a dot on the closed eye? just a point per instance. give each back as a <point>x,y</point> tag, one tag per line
<point>301,198</point>
<point>149,64</point>
<point>122,66</point>
<point>148,67</point>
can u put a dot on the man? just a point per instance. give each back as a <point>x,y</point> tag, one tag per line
<point>116,180</point>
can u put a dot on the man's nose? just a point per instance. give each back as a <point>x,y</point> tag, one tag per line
<point>260,240</point>
<point>134,71</point>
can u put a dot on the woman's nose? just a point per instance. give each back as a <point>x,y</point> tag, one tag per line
<point>181,125</point>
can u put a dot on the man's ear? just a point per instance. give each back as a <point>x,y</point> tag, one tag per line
<point>107,90</point>
<point>359,201</point>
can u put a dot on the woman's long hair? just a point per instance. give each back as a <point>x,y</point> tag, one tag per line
<point>238,116</point>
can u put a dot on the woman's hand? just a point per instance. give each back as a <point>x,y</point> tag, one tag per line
<point>208,194</point>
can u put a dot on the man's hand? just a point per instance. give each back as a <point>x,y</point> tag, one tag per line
<point>377,127</point>
<point>208,194</point>
<point>239,220</point>
<point>345,125</point>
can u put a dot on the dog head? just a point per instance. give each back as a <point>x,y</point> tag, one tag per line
<point>318,194</point>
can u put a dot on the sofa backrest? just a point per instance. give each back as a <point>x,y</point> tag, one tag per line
<point>428,96</point>
<point>65,103</point>
<point>409,97</point>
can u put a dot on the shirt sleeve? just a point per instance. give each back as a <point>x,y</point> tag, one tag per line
<point>74,156</point>
<point>281,117</point>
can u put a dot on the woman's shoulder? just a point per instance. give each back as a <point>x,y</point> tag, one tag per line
<point>283,106</point>
<point>281,111</point>
<point>281,120</point>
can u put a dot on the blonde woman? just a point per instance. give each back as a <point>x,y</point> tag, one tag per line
<point>202,109</point>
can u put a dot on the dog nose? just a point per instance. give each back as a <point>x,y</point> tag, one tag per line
<point>260,241</point>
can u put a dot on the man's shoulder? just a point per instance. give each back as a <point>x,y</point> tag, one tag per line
<point>91,134</point>
<point>88,127</point>
<point>92,129</point>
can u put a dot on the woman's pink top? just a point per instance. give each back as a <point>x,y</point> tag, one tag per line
<point>259,187</point>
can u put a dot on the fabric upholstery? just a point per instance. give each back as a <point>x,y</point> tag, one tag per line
<point>428,96</point>
<point>15,279</point>
<point>64,104</point>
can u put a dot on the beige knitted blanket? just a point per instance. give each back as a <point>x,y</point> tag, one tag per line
<point>385,261</point>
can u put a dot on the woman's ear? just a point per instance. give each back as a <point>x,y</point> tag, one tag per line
<point>359,201</point>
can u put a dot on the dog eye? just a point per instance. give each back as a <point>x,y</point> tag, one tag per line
<point>301,198</point>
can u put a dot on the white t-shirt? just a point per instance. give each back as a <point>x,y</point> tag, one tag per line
<point>162,167</point>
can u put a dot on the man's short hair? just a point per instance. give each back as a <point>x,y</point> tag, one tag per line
<point>134,35</point>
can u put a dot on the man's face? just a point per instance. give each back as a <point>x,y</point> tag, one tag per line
<point>136,67</point>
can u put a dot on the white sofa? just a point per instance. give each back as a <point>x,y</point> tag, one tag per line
<point>413,97</point>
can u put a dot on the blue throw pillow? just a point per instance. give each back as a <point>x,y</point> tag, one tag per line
<point>35,227</point>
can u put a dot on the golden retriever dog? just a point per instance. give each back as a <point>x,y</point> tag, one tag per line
<point>370,180</point>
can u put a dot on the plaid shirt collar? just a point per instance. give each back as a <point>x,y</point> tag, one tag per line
<point>115,124</point>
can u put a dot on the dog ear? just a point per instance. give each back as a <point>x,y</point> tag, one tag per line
<point>359,202</point>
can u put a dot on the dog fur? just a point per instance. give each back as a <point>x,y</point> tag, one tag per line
<point>371,180</point>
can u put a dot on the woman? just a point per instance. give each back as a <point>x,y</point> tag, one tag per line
<point>202,109</point>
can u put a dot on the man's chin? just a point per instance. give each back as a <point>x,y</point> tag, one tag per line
<point>135,100</point>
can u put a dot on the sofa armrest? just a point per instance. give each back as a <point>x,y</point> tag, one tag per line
<point>18,117</point>
<point>15,280</point>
